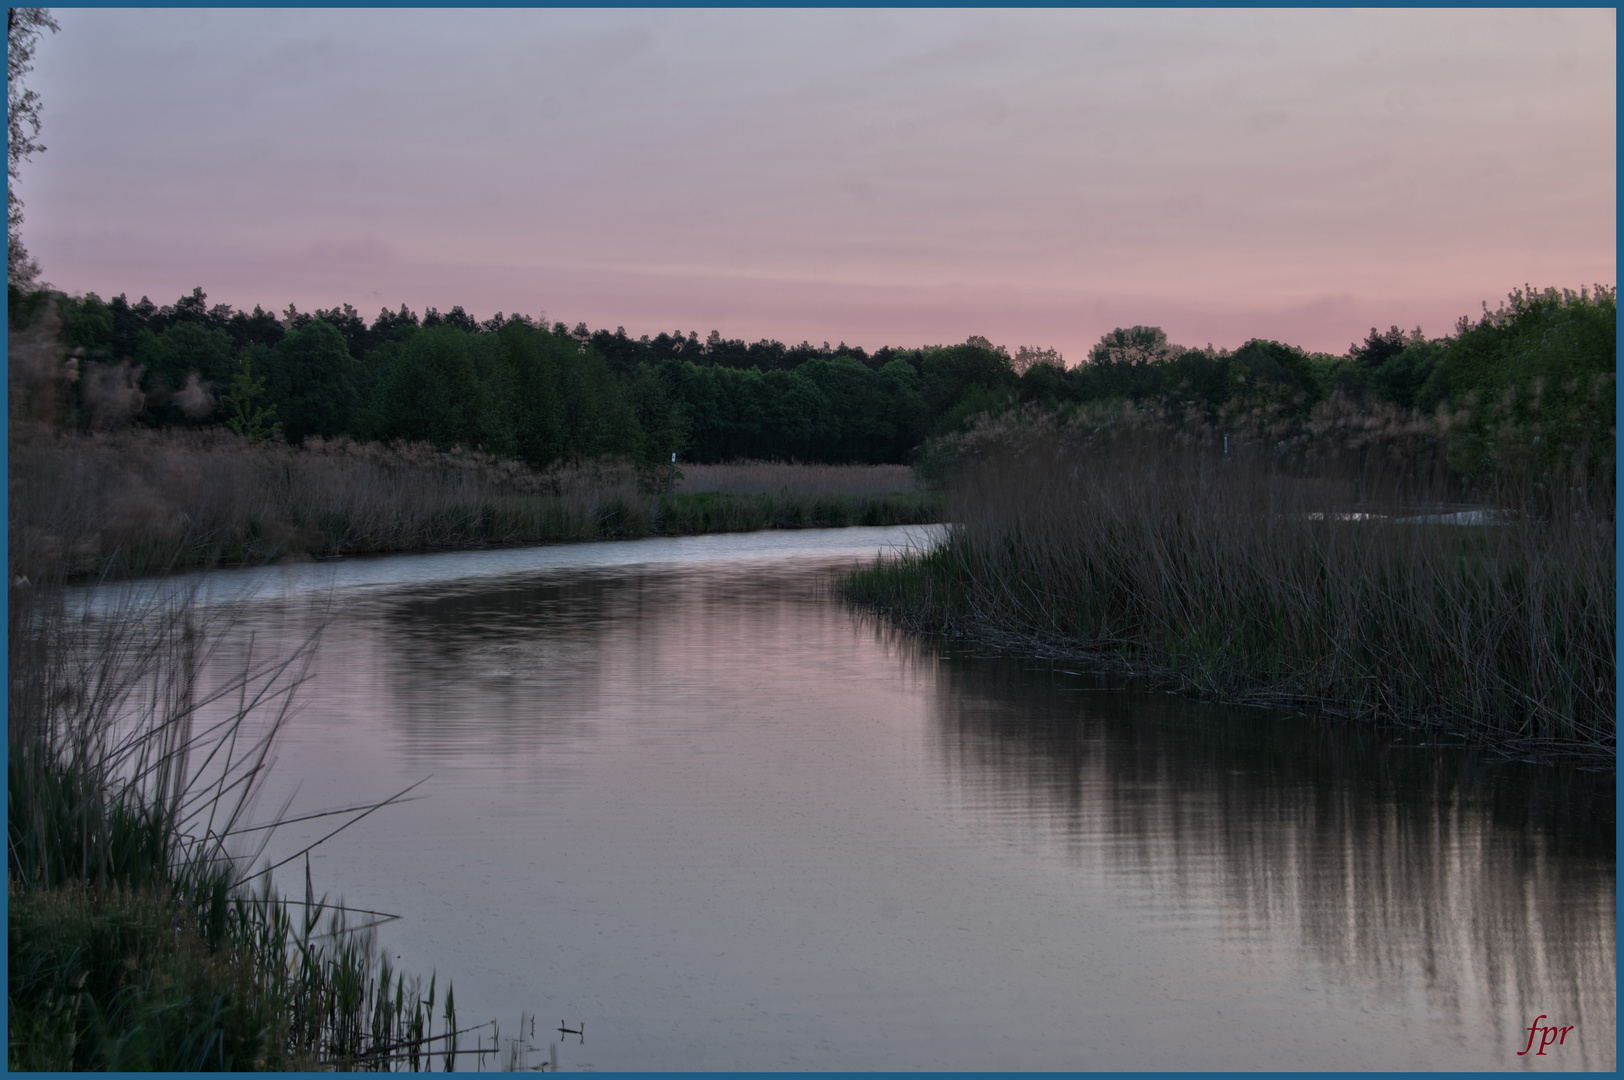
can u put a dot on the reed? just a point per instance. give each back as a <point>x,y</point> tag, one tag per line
<point>138,937</point>
<point>141,502</point>
<point>791,478</point>
<point>1327,573</point>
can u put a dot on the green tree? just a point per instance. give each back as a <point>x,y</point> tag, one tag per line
<point>1283,370</point>
<point>714,415</point>
<point>950,373</point>
<point>598,420</point>
<point>908,411</point>
<point>533,358</point>
<point>1400,378</point>
<point>798,417</point>
<point>310,378</point>
<point>432,391</point>
<point>248,418</point>
<point>1536,377</point>
<point>1134,345</point>
<point>183,367</point>
<point>23,29</point>
<point>87,324</point>
<point>184,349</point>
<point>660,418</point>
<point>1046,383</point>
<point>1378,348</point>
<point>863,429</point>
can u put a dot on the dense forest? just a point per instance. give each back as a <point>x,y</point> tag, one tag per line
<point>548,394</point>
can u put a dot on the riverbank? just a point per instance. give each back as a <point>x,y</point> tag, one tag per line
<point>142,502</point>
<point>1228,577</point>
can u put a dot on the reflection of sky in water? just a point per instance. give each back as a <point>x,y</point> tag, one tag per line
<point>730,824</point>
<point>1439,880</point>
<point>441,569</point>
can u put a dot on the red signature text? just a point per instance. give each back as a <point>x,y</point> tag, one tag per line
<point>1547,1035</point>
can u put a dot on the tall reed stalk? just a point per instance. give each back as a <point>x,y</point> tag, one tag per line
<point>138,937</point>
<point>1258,576</point>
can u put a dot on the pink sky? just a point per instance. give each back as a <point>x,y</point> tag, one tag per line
<point>879,177</point>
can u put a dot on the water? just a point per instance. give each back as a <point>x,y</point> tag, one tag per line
<point>678,793</point>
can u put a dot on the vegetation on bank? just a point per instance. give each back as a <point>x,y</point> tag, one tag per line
<point>1422,531</point>
<point>120,464</point>
<point>1527,388</point>
<point>139,936</point>
<point>140,502</point>
<point>1275,558</point>
<point>515,387</point>
<point>146,438</point>
<point>744,477</point>
<point>1262,525</point>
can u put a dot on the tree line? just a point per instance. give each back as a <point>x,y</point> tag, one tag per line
<point>518,387</point>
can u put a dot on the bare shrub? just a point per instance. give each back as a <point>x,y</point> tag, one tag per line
<point>111,394</point>
<point>1030,356</point>
<point>39,370</point>
<point>195,399</point>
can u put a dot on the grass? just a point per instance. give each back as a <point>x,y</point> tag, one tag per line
<point>1278,574</point>
<point>140,502</point>
<point>137,936</point>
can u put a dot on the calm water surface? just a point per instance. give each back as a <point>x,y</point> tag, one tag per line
<point>679,793</point>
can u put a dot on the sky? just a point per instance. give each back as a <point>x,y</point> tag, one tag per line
<point>879,177</point>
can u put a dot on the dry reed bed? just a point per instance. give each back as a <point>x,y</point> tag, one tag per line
<point>1241,577</point>
<point>140,501</point>
<point>783,478</point>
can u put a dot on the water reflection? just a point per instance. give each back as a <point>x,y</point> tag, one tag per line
<point>701,805</point>
<point>498,669</point>
<point>1431,873</point>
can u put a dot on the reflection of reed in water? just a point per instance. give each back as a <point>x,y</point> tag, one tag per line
<point>521,664</point>
<point>1481,894</point>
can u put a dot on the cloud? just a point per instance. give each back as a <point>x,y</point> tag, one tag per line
<point>808,167</point>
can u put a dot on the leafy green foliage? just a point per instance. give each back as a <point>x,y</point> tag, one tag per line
<point>433,393</point>
<point>310,378</point>
<point>1406,379</point>
<point>86,322</point>
<point>1285,370</point>
<point>182,368</point>
<point>1534,380</point>
<point>951,373</point>
<point>248,418</point>
<point>550,394</point>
